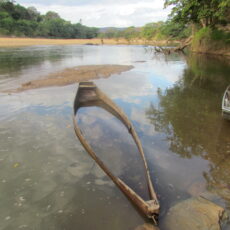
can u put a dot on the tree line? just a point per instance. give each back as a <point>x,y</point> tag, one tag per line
<point>20,21</point>
<point>210,18</point>
<point>151,31</point>
<point>187,17</point>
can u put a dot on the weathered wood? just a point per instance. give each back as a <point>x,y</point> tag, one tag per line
<point>180,48</point>
<point>89,95</point>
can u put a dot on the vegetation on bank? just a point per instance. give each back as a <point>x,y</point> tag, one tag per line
<point>187,17</point>
<point>211,40</point>
<point>208,21</point>
<point>151,31</point>
<point>19,21</point>
<point>16,20</point>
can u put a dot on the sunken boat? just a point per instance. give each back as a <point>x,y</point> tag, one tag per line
<point>88,95</point>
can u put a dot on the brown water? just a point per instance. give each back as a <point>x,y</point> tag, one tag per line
<point>47,180</point>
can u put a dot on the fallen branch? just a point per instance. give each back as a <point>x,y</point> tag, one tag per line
<point>167,51</point>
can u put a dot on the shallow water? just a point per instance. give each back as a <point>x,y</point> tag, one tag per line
<point>47,180</point>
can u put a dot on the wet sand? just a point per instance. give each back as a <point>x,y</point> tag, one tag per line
<point>72,75</point>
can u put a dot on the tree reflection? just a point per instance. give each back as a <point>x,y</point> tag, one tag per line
<point>189,113</point>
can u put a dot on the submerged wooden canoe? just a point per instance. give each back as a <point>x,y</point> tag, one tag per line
<point>226,104</point>
<point>89,95</point>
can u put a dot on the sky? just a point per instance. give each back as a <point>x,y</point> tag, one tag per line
<point>104,13</point>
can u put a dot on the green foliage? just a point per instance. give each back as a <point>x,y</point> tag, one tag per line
<point>203,12</point>
<point>130,33</point>
<point>150,30</point>
<point>175,30</point>
<point>210,38</point>
<point>20,21</point>
<point>219,35</point>
<point>50,15</point>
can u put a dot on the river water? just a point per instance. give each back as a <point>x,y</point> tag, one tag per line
<point>48,181</point>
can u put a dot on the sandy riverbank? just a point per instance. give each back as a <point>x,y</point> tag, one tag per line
<point>72,75</point>
<point>17,42</point>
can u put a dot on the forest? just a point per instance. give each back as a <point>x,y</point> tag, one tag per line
<point>208,19</point>
<point>19,21</point>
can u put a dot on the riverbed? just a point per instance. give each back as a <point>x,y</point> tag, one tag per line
<point>48,181</point>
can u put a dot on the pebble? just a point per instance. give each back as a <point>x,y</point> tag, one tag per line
<point>146,226</point>
<point>21,198</point>
<point>19,204</point>
<point>8,218</point>
<point>23,226</point>
<point>83,211</point>
<point>16,165</point>
<point>60,211</point>
<point>171,186</point>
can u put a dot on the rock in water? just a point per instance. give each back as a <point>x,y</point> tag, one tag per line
<point>146,227</point>
<point>194,214</point>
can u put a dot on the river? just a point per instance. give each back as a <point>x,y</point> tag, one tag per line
<point>48,181</point>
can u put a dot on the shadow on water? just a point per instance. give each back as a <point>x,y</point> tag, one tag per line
<point>189,115</point>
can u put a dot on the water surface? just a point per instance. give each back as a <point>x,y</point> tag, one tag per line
<point>47,180</point>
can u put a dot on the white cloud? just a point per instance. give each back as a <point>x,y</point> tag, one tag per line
<point>107,13</point>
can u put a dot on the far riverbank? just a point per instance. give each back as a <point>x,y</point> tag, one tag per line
<point>17,42</point>
<point>198,48</point>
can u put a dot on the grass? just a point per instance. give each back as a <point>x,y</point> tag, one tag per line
<point>208,40</point>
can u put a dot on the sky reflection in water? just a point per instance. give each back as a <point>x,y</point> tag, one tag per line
<point>47,180</point>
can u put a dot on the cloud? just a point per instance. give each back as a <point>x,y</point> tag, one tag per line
<point>105,13</point>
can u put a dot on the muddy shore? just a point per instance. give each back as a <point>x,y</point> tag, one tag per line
<point>72,75</point>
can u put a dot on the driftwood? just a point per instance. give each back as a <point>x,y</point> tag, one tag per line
<point>89,95</point>
<point>166,50</point>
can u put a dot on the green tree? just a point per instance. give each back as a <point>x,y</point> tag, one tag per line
<point>203,12</point>
<point>130,33</point>
<point>51,15</point>
<point>34,14</point>
<point>20,21</point>
<point>150,30</point>
<point>174,30</point>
